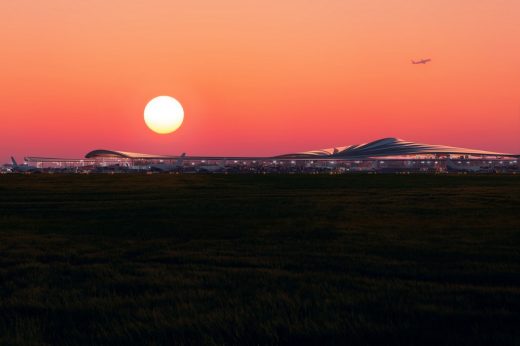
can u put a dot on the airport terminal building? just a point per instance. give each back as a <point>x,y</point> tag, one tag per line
<point>384,155</point>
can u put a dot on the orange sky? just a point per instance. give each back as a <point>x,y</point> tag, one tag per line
<point>257,77</point>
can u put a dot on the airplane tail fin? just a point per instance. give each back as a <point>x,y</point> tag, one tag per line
<point>181,159</point>
<point>14,162</point>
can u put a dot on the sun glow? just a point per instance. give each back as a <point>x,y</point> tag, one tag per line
<point>163,114</point>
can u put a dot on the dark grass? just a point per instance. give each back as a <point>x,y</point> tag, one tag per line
<point>237,259</point>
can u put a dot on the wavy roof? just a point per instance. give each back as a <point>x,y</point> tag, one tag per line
<point>390,147</point>
<point>122,154</point>
<point>379,148</point>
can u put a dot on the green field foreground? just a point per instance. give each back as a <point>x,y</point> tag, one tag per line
<point>253,259</point>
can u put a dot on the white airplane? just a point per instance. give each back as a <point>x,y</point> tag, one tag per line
<point>318,166</point>
<point>165,167</point>
<point>422,61</point>
<point>25,168</point>
<point>461,167</point>
<point>129,168</point>
<point>220,167</point>
<point>368,168</point>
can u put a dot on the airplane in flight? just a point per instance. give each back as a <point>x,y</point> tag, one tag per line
<point>164,167</point>
<point>422,61</point>
<point>25,168</point>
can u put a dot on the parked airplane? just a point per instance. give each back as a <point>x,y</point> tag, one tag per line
<point>318,167</point>
<point>25,168</point>
<point>461,167</point>
<point>129,168</point>
<point>220,167</point>
<point>165,167</point>
<point>365,168</point>
<point>422,61</point>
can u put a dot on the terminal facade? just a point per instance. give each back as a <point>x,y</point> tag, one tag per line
<point>388,155</point>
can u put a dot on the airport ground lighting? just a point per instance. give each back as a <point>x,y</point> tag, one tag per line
<point>383,155</point>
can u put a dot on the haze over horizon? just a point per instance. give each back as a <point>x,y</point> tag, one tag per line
<point>258,78</point>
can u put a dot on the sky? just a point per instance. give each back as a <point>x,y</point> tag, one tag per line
<point>257,77</point>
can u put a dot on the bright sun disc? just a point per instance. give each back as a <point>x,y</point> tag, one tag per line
<point>163,114</point>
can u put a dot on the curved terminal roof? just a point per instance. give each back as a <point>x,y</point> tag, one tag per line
<point>389,147</point>
<point>122,154</point>
<point>381,148</point>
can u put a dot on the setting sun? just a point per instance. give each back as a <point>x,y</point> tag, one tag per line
<point>163,114</point>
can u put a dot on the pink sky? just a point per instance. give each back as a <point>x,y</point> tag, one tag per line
<point>257,77</point>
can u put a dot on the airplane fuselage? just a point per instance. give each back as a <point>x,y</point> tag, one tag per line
<point>422,61</point>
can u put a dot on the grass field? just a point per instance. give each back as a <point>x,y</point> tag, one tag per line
<point>239,259</point>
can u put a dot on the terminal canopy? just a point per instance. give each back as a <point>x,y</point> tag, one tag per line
<point>102,153</point>
<point>386,147</point>
<point>390,147</point>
